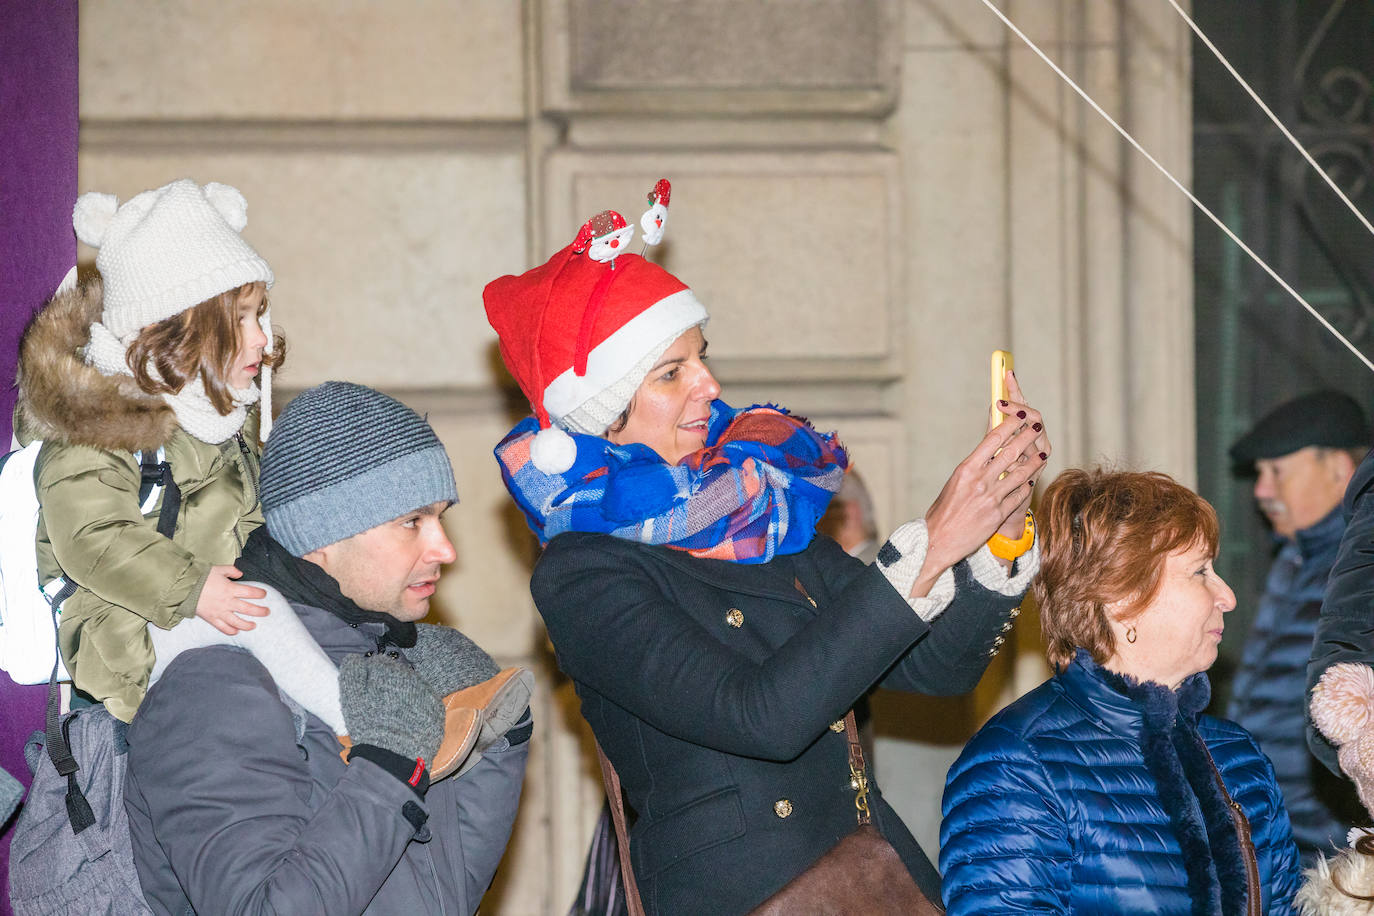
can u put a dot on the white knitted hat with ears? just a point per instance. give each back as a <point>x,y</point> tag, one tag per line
<point>166,250</point>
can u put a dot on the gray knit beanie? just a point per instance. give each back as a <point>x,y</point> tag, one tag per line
<point>343,458</point>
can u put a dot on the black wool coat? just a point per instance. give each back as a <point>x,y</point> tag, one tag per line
<point>712,687</point>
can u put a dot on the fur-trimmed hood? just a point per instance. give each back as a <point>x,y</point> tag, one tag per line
<point>62,398</point>
<point>1320,896</point>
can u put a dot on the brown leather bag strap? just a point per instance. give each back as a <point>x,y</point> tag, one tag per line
<point>611,779</point>
<point>858,771</point>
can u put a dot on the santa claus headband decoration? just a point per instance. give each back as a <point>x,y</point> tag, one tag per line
<point>582,330</point>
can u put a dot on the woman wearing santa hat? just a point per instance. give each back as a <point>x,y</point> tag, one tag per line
<point>715,643</point>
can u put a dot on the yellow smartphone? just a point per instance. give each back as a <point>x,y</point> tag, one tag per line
<point>1002,363</point>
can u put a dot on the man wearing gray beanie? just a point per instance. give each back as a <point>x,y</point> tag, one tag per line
<point>239,799</point>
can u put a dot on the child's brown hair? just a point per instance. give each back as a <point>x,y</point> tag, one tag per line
<point>203,340</point>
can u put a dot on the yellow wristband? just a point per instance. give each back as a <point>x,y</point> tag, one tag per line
<point>1007,549</point>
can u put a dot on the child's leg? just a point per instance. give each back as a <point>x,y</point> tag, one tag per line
<point>281,642</point>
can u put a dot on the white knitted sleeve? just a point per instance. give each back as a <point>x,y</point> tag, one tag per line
<point>901,558</point>
<point>991,574</point>
<point>900,561</point>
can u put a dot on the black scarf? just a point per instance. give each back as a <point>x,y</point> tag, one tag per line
<point>302,582</point>
<point>1183,772</point>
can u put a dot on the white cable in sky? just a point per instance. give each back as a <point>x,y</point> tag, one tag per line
<point>1273,117</point>
<point>1178,184</point>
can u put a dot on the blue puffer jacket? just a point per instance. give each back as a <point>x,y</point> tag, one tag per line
<point>1053,806</point>
<point>1269,696</point>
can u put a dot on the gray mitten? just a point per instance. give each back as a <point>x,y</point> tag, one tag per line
<point>448,660</point>
<point>508,705</point>
<point>387,704</point>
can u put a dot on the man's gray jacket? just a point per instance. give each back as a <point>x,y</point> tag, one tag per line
<point>237,805</point>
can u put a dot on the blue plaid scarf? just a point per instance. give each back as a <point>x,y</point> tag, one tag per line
<point>756,489</point>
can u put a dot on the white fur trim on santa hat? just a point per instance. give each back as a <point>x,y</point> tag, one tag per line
<point>617,355</point>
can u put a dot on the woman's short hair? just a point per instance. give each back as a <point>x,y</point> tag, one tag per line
<point>203,340</point>
<point>1104,538</point>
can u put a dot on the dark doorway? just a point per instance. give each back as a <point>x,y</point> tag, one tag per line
<point>1256,347</point>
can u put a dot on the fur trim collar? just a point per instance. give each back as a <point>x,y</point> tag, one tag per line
<point>63,398</point>
<point>1321,897</point>
<point>1186,780</point>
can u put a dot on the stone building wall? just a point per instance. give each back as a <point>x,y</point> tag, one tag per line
<point>869,196</point>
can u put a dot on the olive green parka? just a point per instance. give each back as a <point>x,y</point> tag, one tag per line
<point>90,528</point>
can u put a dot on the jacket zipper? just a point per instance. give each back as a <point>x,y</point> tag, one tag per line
<point>1247,845</point>
<point>248,466</point>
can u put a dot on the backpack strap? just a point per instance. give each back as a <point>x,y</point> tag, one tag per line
<point>79,812</point>
<point>155,478</point>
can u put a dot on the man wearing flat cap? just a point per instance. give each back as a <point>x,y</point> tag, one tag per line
<point>1303,454</point>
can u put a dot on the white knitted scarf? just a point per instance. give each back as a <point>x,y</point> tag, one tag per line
<point>193,409</point>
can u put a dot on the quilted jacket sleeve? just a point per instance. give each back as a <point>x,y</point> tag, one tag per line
<point>1004,844</point>
<point>89,499</point>
<point>1345,632</point>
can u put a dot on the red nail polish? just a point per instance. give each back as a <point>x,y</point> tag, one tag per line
<point>1044,457</point>
<point>1037,427</point>
<point>1002,403</point>
<point>1020,415</point>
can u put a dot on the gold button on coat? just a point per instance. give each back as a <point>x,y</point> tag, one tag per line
<point>734,617</point>
<point>782,807</point>
<point>1015,612</point>
<point>837,726</point>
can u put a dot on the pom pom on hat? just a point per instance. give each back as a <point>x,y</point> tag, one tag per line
<point>553,451</point>
<point>92,215</point>
<point>1342,706</point>
<point>1343,702</point>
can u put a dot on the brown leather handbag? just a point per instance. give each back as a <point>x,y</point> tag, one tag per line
<point>861,875</point>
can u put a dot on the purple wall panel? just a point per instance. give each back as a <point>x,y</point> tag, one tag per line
<point>38,137</point>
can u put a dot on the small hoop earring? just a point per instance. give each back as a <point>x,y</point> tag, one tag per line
<point>1130,635</point>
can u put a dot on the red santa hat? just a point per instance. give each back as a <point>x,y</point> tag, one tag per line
<point>579,336</point>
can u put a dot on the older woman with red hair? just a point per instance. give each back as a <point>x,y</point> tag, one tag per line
<point>1105,789</point>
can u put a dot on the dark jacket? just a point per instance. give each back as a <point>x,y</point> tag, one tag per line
<point>714,686</point>
<point>1052,808</point>
<point>1345,632</point>
<point>1269,697</point>
<point>233,811</point>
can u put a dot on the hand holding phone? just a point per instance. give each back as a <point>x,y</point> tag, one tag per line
<point>1002,363</point>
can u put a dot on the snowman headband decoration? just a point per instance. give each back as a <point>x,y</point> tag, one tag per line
<point>606,236</point>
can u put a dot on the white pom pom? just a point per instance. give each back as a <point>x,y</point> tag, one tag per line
<point>553,451</point>
<point>230,204</point>
<point>91,217</point>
